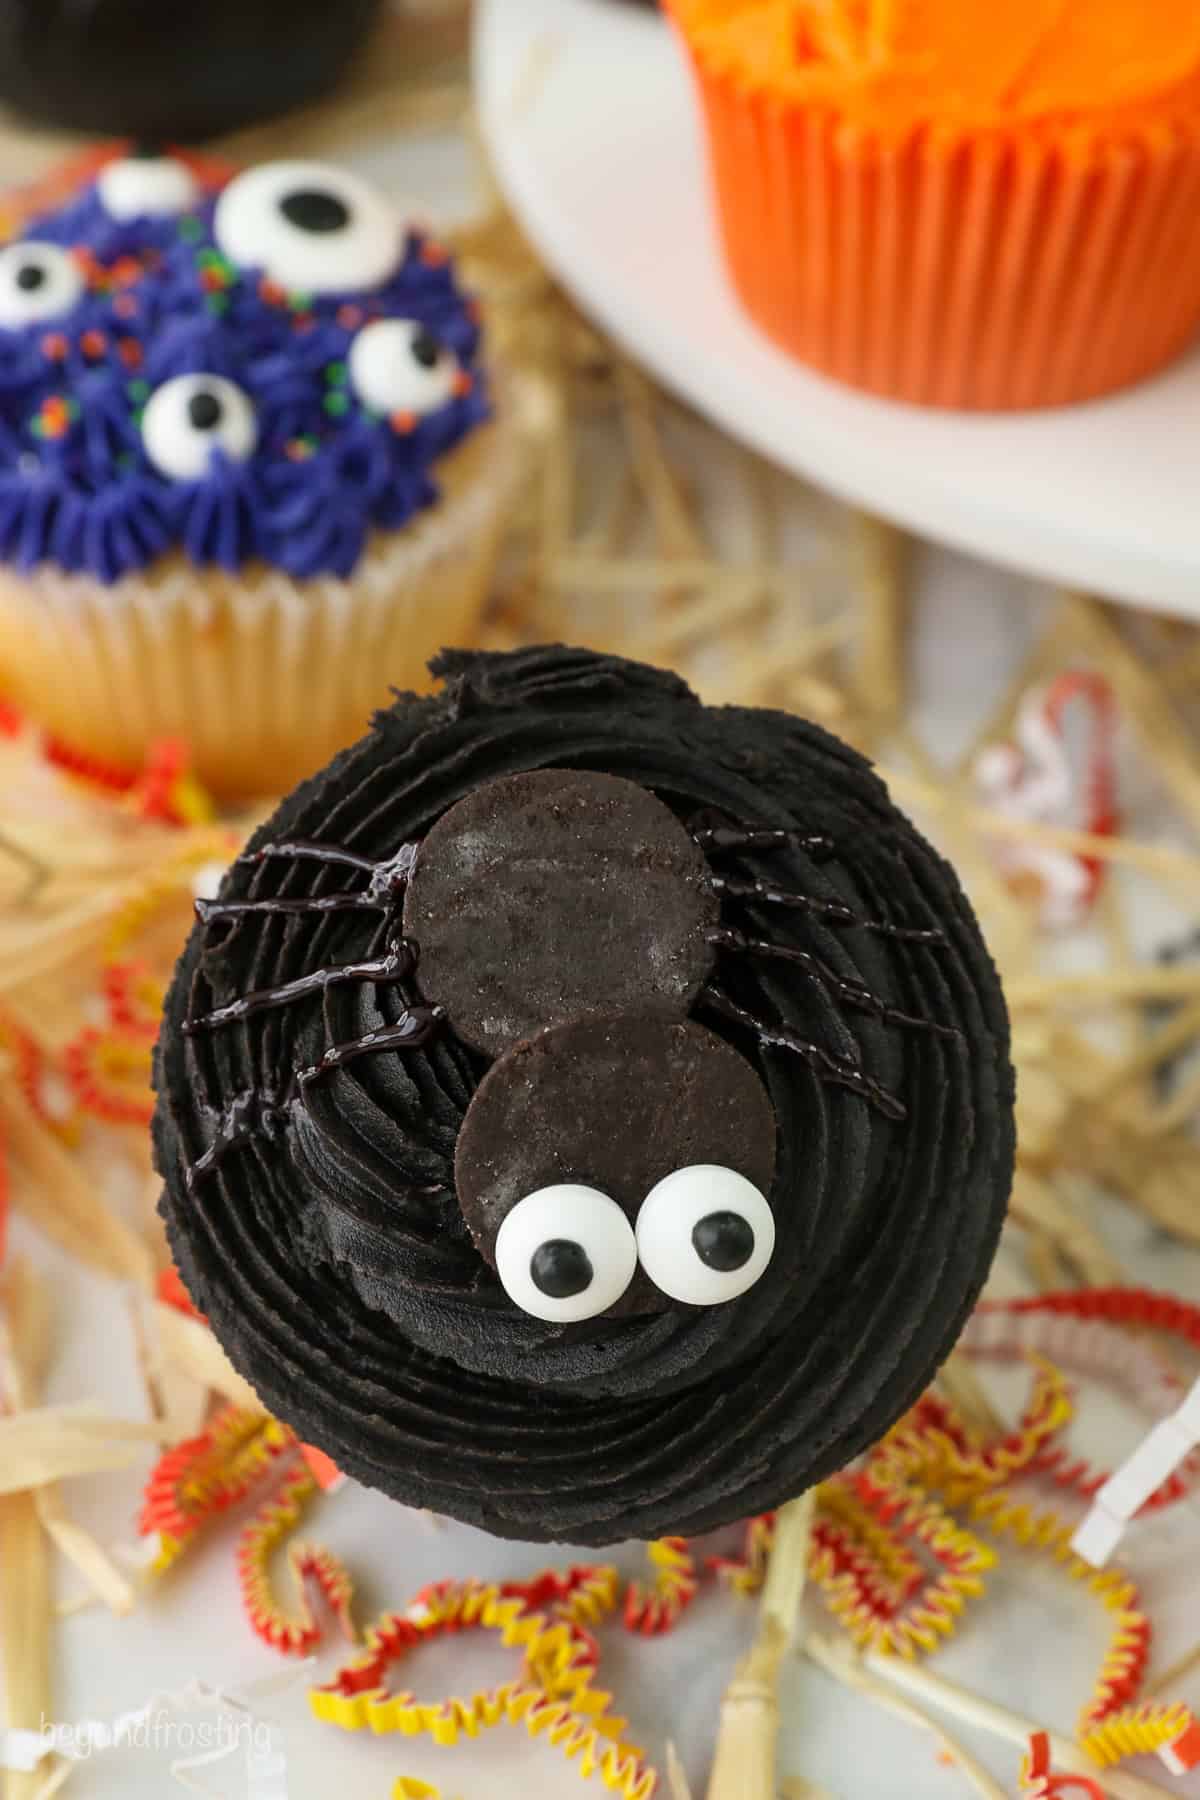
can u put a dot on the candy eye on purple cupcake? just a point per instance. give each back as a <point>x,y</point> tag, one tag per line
<point>190,417</point>
<point>38,282</point>
<point>310,227</point>
<point>399,366</point>
<point>147,187</point>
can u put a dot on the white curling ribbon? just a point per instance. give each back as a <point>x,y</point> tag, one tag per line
<point>1156,1458</point>
<point>1032,780</point>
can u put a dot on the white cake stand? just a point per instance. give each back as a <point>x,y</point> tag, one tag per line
<point>588,109</point>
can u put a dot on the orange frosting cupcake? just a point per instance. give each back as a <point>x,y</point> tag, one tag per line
<point>991,210</point>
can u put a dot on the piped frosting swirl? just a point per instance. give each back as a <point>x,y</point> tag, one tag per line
<point>328,1247</point>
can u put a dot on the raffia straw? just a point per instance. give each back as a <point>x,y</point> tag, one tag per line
<point>50,1443</point>
<point>1011,924</point>
<point>1042,1208</point>
<point>745,1761</point>
<point>25,1606</point>
<point>24,1345</point>
<point>633,574</point>
<point>1173,866</point>
<point>25,1623</point>
<point>1046,1272</point>
<point>1171,747</point>
<point>61,1200</point>
<point>192,1347</point>
<point>879,550</point>
<point>842,1662</point>
<point>957,1376</point>
<point>1168,1680</point>
<point>918,1681</point>
<point>1128,986</point>
<point>677,1781</point>
<point>1183,1106</point>
<point>674,526</point>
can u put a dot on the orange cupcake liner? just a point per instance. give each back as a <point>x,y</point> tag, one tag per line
<point>990,270</point>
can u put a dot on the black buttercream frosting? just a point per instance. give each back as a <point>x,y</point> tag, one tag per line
<point>326,1244</point>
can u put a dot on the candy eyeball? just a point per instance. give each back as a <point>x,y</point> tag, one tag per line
<point>565,1253</point>
<point>705,1235</point>
<point>189,417</point>
<point>146,187</point>
<point>310,227</point>
<point>398,366</point>
<point>37,281</point>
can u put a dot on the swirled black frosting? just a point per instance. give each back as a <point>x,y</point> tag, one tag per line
<point>325,1241</point>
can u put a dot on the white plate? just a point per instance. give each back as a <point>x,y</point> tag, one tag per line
<point>589,113</point>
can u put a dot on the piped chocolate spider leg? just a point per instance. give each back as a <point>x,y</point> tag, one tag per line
<point>398,964</point>
<point>247,1115</point>
<point>828,1067</point>
<point>413,1028</point>
<point>716,839</point>
<point>389,879</point>
<point>850,993</point>
<point>835,912</point>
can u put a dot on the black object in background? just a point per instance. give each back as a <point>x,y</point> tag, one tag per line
<point>172,70</point>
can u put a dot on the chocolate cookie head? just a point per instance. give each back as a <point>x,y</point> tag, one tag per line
<point>584,1112</point>
<point>263,368</point>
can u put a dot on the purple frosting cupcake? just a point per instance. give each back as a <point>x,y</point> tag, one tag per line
<point>251,471</point>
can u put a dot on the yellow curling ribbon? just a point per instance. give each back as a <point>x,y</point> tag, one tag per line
<point>656,1609</point>
<point>294,1632</point>
<point>1135,1731</point>
<point>162,887</point>
<point>554,1699</point>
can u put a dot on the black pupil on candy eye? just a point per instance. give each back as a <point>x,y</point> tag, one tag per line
<point>315,209</point>
<point>561,1269</point>
<point>204,410</point>
<point>724,1241</point>
<point>425,349</point>
<point>30,277</point>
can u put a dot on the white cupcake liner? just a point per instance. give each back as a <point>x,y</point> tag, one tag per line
<point>262,675</point>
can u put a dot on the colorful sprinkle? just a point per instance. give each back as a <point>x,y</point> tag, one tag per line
<point>191,229</point>
<point>55,416</point>
<point>55,346</point>
<point>299,449</point>
<point>93,344</point>
<point>350,317</point>
<point>337,403</point>
<point>130,352</point>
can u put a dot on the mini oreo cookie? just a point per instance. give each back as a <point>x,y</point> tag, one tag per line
<point>555,894</point>
<point>661,1344</point>
<point>545,1113</point>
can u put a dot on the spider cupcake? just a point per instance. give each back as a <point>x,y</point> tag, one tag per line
<point>584,1112</point>
<point>250,468</point>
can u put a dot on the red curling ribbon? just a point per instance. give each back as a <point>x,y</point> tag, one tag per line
<point>1039,1782</point>
<point>322,1468</point>
<point>171,1292</point>
<point>5,1197</point>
